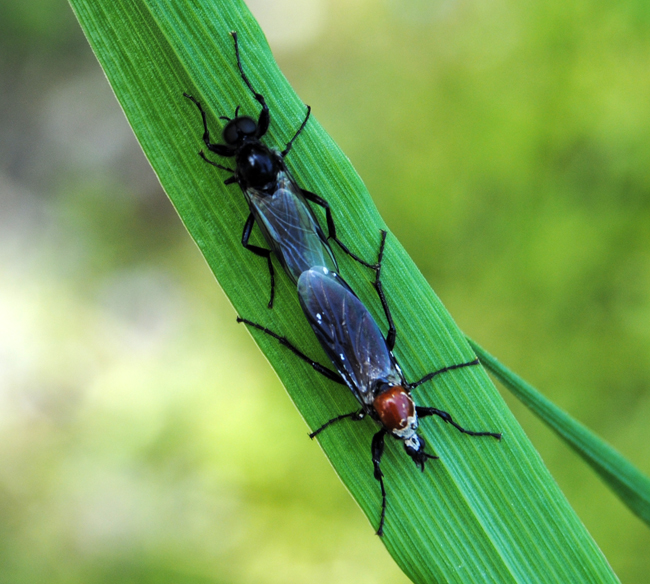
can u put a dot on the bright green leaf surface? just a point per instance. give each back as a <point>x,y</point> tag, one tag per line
<point>486,511</point>
<point>631,485</point>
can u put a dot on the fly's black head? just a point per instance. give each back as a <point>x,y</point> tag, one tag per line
<point>414,447</point>
<point>238,130</point>
<point>257,166</point>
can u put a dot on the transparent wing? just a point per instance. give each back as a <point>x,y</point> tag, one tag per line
<point>291,228</point>
<point>347,332</point>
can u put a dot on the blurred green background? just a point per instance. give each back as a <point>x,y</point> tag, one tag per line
<point>508,148</point>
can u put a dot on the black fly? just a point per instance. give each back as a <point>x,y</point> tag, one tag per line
<point>276,202</point>
<point>364,360</point>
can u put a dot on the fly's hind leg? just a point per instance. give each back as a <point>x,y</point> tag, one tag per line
<point>286,343</point>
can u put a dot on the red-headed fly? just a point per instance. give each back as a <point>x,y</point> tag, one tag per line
<point>365,362</point>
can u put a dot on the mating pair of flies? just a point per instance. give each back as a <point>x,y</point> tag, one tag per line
<point>362,356</point>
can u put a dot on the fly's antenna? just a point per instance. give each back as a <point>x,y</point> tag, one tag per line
<point>227,119</point>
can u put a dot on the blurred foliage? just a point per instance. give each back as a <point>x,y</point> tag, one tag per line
<point>507,147</point>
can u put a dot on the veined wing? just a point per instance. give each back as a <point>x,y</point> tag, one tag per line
<point>347,332</point>
<point>292,229</point>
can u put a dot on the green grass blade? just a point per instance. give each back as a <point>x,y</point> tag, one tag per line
<point>486,511</point>
<point>628,482</point>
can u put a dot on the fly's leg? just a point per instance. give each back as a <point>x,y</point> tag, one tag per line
<point>220,149</point>
<point>377,449</point>
<point>206,159</point>
<point>331,228</point>
<point>429,376</point>
<point>265,117</point>
<point>300,129</point>
<point>286,343</point>
<point>259,251</point>
<point>355,416</point>
<point>391,336</point>
<point>423,412</point>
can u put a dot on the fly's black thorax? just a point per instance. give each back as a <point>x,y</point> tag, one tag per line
<point>257,167</point>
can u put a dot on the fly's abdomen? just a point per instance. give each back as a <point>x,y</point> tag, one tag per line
<point>347,332</point>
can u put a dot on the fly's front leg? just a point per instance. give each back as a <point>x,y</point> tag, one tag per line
<point>355,416</point>
<point>220,149</point>
<point>265,117</point>
<point>259,251</point>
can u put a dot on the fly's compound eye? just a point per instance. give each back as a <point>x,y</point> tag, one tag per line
<point>238,129</point>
